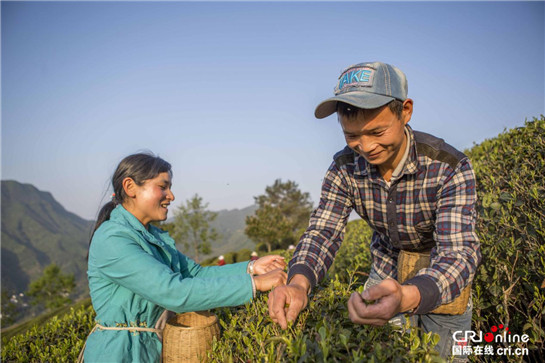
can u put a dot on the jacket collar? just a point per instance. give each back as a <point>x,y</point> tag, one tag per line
<point>121,215</point>
<point>154,234</point>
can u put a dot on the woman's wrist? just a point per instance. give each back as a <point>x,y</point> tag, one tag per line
<point>250,268</point>
<point>254,289</point>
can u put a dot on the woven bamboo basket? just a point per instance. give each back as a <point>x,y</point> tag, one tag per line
<point>188,337</point>
<point>409,263</point>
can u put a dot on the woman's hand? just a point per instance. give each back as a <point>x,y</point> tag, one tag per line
<point>271,279</point>
<point>268,263</point>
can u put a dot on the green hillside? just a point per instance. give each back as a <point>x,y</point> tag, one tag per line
<point>38,231</point>
<point>230,226</point>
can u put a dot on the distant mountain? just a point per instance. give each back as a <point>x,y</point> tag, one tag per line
<point>230,226</point>
<point>38,231</point>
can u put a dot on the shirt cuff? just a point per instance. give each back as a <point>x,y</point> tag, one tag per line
<point>305,271</point>
<point>430,296</point>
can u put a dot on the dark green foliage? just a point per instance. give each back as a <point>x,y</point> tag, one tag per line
<point>282,211</point>
<point>52,288</point>
<point>322,332</point>
<point>243,255</point>
<point>270,227</point>
<point>58,340</point>
<point>510,172</point>
<point>26,325</point>
<point>354,252</point>
<point>192,227</point>
<point>230,257</point>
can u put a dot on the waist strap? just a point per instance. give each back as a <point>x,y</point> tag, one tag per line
<point>130,328</point>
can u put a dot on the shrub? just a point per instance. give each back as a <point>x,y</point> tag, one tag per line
<point>58,340</point>
<point>510,172</point>
<point>354,257</point>
<point>322,332</point>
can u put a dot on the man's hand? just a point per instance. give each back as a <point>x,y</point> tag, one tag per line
<point>268,263</point>
<point>271,279</point>
<point>286,302</point>
<point>390,298</point>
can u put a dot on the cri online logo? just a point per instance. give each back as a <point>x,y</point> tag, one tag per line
<point>498,334</point>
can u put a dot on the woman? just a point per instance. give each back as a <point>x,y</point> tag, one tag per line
<point>136,275</point>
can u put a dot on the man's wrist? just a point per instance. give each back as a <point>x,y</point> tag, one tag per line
<point>300,281</point>
<point>410,298</point>
<point>302,268</point>
<point>430,295</point>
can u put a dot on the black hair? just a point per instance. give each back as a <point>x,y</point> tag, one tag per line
<point>349,111</point>
<point>139,167</point>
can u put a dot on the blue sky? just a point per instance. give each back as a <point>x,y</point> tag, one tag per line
<point>226,91</point>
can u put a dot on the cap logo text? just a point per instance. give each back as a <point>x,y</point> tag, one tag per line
<point>356,77</point>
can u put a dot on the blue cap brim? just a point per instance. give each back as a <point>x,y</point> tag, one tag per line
<point>358,99</point>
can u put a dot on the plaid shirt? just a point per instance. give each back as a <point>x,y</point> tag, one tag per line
<point>429,205</point>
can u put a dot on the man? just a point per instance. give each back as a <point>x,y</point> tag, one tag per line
<point>416,192</point>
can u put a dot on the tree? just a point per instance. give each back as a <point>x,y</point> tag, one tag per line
<point>269,226</point>
<point>282,212</point>
<point>52,288</point>
<point>192,226</point>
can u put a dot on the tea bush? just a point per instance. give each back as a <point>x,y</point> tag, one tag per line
<point>322,332</point>
<point>510,170</point>
<point>354,252</point>
<point>58,340</point>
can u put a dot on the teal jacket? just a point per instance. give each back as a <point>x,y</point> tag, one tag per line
<point>135,274</point>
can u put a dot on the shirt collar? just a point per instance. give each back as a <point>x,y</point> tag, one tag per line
<point>411,164</point>
<point>399,168</point>
<point>408,165</point>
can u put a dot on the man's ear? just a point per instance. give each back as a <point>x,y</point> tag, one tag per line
<point>407,111</point>
<point>129,186</point>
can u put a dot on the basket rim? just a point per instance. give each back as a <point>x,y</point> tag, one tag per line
<point>213,322</point>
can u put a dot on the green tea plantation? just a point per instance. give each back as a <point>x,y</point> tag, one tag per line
<point>507,292</point>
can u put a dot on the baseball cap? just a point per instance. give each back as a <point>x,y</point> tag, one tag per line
<point>366,85</point>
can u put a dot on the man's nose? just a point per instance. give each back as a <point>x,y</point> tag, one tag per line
<point>364,145</point>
